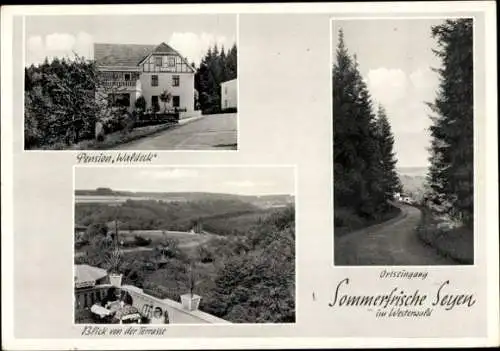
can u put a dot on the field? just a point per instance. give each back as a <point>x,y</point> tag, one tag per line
<point>157,236</point>
<point>239,224</point>
<point>109,199</point>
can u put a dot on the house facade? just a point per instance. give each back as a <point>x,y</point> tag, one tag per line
<point>229,94</point>
<point>129,71</point>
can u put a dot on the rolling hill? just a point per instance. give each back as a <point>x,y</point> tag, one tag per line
<point>413,180</point>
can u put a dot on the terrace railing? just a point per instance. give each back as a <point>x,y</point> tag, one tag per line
<point>119,83</point>
<point>146,304</point>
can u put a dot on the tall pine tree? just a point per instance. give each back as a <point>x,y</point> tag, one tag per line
<point>390,181</point>
<point>451,175</point>
<point>358,168</point>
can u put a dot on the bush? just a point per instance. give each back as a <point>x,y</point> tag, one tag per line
<point>456,243</point>
<point>81,243</point>
<point>206,256</point>
<point>230,110</point>
<point>60,103</point>
<point>211,110</point>
<point>140,103</point>
<point>140,241</point>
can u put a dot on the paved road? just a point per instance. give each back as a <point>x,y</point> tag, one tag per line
<point>391,243</point>
<point>212,132</point>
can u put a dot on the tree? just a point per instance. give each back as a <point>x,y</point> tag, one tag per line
<point>60,106</point>
<point>165,97</point>
<point>140,103</point>
<point>451,174</point>
<point>357,168</point>
<point>216,67</point>
<point>258,285</point>
<point>390,182</point>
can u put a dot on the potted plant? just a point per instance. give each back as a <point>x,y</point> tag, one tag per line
<point>191,301</point>
<point>114,262</point>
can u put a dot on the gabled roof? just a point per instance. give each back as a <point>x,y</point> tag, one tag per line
<point>164,49</point>
<point>120,55</point>
<point>129,56</point>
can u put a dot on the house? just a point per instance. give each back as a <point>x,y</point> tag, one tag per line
<point>229,94</point>
<point>130,71</point>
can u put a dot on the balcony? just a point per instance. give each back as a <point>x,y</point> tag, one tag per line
<point>119,83</point>
<point>144,303</point>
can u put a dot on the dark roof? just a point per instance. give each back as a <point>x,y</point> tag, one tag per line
<point>126,55</point>
<point>164,49</point>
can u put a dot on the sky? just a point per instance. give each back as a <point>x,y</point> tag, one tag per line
<point>229,180</point>
<point>191,35</point>
<point>395,58</point>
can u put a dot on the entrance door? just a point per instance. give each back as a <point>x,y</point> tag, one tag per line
<point>155,105</point>
<point>176,101</point>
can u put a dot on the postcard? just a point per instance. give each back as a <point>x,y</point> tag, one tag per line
<point>217,176</point>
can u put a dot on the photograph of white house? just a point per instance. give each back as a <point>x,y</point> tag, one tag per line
<point>229,94</point>
<point>131,82</point>
<point>135,70</point>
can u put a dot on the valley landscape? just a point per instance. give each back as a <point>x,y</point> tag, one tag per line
<point>241,248</point>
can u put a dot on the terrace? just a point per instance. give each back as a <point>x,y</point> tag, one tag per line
<point>92,287</point>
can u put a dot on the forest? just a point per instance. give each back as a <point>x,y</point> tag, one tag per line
<point>217,66</point>
<point>247,276</point>
<point>365,177</point>
<point>160,215</point>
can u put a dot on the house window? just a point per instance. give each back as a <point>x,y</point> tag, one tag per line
<point>176,101</point>
<point>175,81</point>
<point>171,61</point>
<point>158,61</point>
<point>127,76</point>
<point>154,80</point>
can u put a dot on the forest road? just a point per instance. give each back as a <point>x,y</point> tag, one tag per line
<point>394,242</point>
<point>212,132</point>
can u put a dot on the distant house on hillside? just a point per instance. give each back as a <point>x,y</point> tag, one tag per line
<point>229,94</point>
<point>401,197</point>
<point>130,71</point>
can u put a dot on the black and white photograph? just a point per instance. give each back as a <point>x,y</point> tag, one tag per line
<point>403,125</point>
<point>184,245</point>
<point>131,82</point>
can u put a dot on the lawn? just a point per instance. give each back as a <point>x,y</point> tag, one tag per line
<point>157,236</point>
<point>111,140</point>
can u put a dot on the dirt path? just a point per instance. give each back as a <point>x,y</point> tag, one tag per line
<point>391,243</point>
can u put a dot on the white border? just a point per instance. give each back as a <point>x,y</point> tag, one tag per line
<point>295,188</point>
<point>486,7</point>
<point>116,149</point>
<point>7,26</point>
